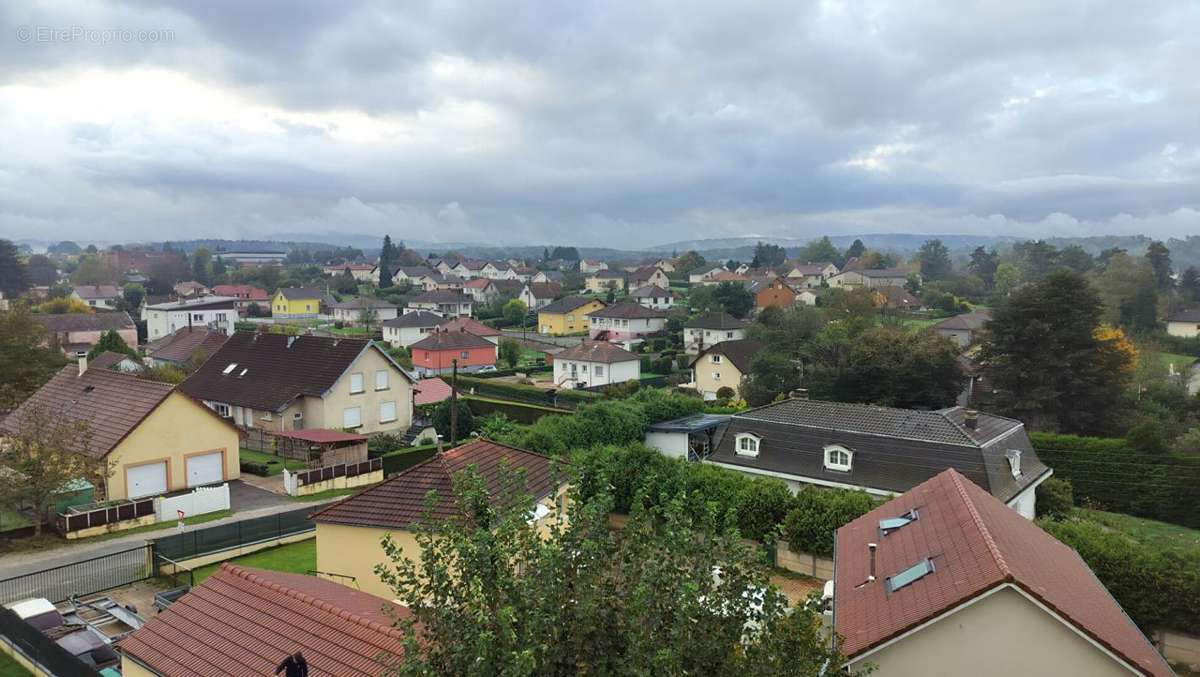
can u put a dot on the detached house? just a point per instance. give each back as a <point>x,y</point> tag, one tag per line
<point>963,329</point>
<point>595,363</point>
<point>628,322</point>
<point>537,295</point>
<point>775,294</point>
<point>808,275</point>
<point>245,294</point>
<point>604,280</point>
<point>590,266</point>
<point>76,333</point>
<point>278,383</point>
<point>710,329</point>
<point>1185,323</point>
<point>211,312</point>
<point>649,275</point>
<point>472,326</point>
<point>349,531</point>
<point>183,345</point>
<point>567,315</point>
<point>190,290</point>
<point>947,580</point>
<point>158,438</point>
<point>870,278</point>
<point>447,303</point>
<point>698,275</point>
<point>410,327</point>
<point>296,303</point>
<point>104,296</point>
<point>653,296</point>
<point>356,310</point>
<point>481,289</point>
<point>438,352</point>
<point>881,450</point>
<point>723,366</point>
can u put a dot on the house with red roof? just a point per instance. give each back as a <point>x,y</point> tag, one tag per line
<point>472,326</point>
<point>625,322</point>
<point>595,363</point>
<point>440,350</point>
<point>243,621</point>
<point>245,294</point>
<point>946,579</point>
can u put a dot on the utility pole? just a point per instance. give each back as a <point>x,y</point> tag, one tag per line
<point>454,402</point>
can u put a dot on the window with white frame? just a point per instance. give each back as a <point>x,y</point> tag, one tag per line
<point>598,370</point>
<point>387,411</point>
<point>1014,461</point>
<point>715,359</point>
<point>351,417</point>
<point>746,444</point>
<point>221,409</point>
<point>381,379</point>
<point>838,457</point>
<point>356,383</point>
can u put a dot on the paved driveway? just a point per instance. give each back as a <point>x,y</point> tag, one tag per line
<point>243,496</point>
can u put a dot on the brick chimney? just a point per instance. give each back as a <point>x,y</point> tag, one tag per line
<point>971,419</point>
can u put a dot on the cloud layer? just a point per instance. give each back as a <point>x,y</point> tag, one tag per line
<point>620,124</point>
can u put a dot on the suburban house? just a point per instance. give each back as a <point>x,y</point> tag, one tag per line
<point>104,296</point>
<point>567,315</point>
<point>626,322</point>
<point>723,366</point>
<point>213,312</point>
<point>649,275</point>
<point>808,275</point>
<point>445,302</point>
<point>76,333</point>
<point>441,350</point>
<point>189,290</point>
<point>548,276</point>
<point>595,363</point>
<point>963,329</point>
<point>249,259</point>
<point>775,294</point>
<point>896,298</point>
<point>472,326</point>
<point>723,276</point>
<point>702,273</point>
<point>1185,323</point>
<point>590,266</point>
<point>946,575</point>
<point>296,303</point>
<point>667,265</point>
<point>881,450</point>
<point>710,329</point>
<point>410,327</point>
<point>243,621</point>
<point>604,280</point>
<point>157,438</point>
<point>180,347</point>
<point>537,295</point>
<point>481,289</point>
<point>276,383</point>
<point>372,310</point>
<point>245,294</point>
<point>359,271</point>
<point>403,274</point>
<point>807,297</point>
<point>870,278</point>
<point>440,282</point>
<point>653,296</point>
<point>349,531</point>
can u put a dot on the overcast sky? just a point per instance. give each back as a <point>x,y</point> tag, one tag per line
<point>601,123</point>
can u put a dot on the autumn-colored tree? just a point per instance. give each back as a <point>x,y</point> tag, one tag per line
<point>64,305</point>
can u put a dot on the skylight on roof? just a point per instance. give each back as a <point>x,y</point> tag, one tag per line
<point>230,368</point>
<point>890,524</point>
<point>910,575</point>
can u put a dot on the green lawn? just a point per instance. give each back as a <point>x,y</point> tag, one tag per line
<point>1145,531</point>
<point>920,322</point>
<point>349,331</point>
<point>1181,362</point>
<point>295,558</point>
<point>262,457</point>
<point>11,519</point>
<point>11,668</point>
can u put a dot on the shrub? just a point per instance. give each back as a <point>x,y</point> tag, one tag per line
<point>646,365</point>
<point>725,393</point>
<point>381,443</point>
<point>260,469</point>
<point>818,513</point>
<point>441,419</point>
<point>1055,498</point>
<point>681,361</point>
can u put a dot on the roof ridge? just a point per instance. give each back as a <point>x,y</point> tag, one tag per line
<point>984,532</point>
<point>945,414</point>
<point>334,609</point>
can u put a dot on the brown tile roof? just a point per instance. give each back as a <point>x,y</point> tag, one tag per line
<point>976,544</point>
<point>715,321</point>
<point>110,402</point>
<point>108,359</point>
<point>451,340</point>
<point>469,325</point>
<point>278,369</point>
<point>737,351</point>
<point>242,621</point>
<point>628,311</point>
<point>430,391</point>
<point>399,502</point>
<point>97,291</point>
<point>242,291</point>
<point>178,347</point>
<point>441,296</point>
<point>477,283</point>
<point>567,303</point>
<point>644,273</point>
<point>84,321</point>
<point>545,290</point>
<point>597,351</point>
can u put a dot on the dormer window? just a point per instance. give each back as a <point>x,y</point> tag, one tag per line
<point>838,458</point>
<point>1014,461</point>
<point>746,444</point>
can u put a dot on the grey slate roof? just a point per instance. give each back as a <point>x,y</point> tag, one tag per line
<point>566,304</point>
<point>628,311</point>
<point>84,321</point>
<point>597,351</point>
<point>894,449</point>
<point>417,318</point>
<point>715,321</point>
<point>441,296</point>
<point>362,302</point>
<point>738,351</point>
<point>1190,315</point>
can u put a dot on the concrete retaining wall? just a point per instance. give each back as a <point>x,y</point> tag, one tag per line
<point>1179,648</point>
<point>142,521</point>
<point>802,562</point>
<point>340,483</point>
<point>222,555</point>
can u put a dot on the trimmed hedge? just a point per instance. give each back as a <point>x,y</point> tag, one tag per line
<point>260,469</point>
<point>1109,474</point>
<point>810,526</point>
<point>518,391</point>
<point>402,459</point>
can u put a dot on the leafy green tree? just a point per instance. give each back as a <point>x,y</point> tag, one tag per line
<point>934,258</point>
<point>855,250</point>
<point>133,294</point>
<point>168,270</point>
<point>601,603</point>
<point>1189,284</point>
<point>345,283</point>
<point>983,264</point>
<point>94,270</point>
<point>1076,258</point>
<point>441,419</point>
<point>771,374</point>
<point>1049,366</point>
<point>218,270</point>
<point>767,255</point>
<point>387,261</point>
<point>510,351</point>
<point>14,276</point>
<point>514,312</point>
<point>1035,258</point>
<point>1007,278</point>
<point>689,261</point>
<point>892,366</point>
<point>26,361</point>
<point>64,248</point>
<point>1159,258</point>
<point>1139,313</point>
<point>163,373</point>
<point>111,341</point>
<point>42,270</point>
<point>820,250</point>
<point>202,266</point>
<point>734,299</point>
<point>565,253</point>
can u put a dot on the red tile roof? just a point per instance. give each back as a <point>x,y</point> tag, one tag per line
<point>451,340</point>
<point>399,502</point>
<point>180,346</point>
<point>431,391</point>
<point>470,326</point>
<point>242,291</point>
<point>976,544</point>
<point>597,351</point>
<point>243,621</point>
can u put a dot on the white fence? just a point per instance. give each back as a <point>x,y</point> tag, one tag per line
<point>198,501</point>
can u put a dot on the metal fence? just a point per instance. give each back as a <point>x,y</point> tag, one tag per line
<point>75,520</point>
<point>40,648</point>
<point>233,535</point>
<point>81,578</point>
<point>329,472</point>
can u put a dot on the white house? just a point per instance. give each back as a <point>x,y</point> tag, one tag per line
<point>1185,323</point>
<point>353,311</point>
<point>214,312</point>
<point>710,329</point>
<point>870,278</point>
<point>444,302</point>
<point>590,266</point>
<point>410,327</point>
<point>595,363</point>
<point>703,273</point>
<point>97,295</point>
<point>667,265</point>
<point>481,289</point>
<point>806,297</point>
<point>653,296</point>
<point>625,322</point>
<point>536,295</point>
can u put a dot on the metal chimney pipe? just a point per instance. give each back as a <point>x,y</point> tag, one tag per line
<point>871,548</point>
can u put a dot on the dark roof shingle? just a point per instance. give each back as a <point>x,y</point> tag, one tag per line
<point>715,321</point>
<point>180,346</point>
<point>628,311</point>
<point>738,351</point>
<point>451,340</point>
<point>416,318</point>
<point>567,304</point>
<point>597,351</point>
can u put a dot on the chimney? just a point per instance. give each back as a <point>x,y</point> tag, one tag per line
<point>871,548</point>
<point>798,394</point>
<point>972,419</point>
<point>82,364</point>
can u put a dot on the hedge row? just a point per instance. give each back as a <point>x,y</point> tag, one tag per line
<point>1157,587</point>
<point>520,391</point>
<point>1110,475</point>
<point>402,459</point>
<point>759,508</point>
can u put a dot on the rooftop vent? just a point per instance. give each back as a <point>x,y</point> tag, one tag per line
<point>910,575</point>
<point>971,419</point>
<point>292,339</point>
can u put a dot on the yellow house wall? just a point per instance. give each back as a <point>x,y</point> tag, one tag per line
<point>558,323</point>
<point>706,375</point>
<point>1001,635</point>
<point>284,307</point>
<point>339,397</point>
<point>130,668</point>
<point>179,427</point>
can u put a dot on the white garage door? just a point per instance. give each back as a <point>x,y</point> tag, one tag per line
<point>204,469</point>
<point>147,480</point>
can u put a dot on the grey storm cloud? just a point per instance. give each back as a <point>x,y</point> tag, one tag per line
<point>609,123</point>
